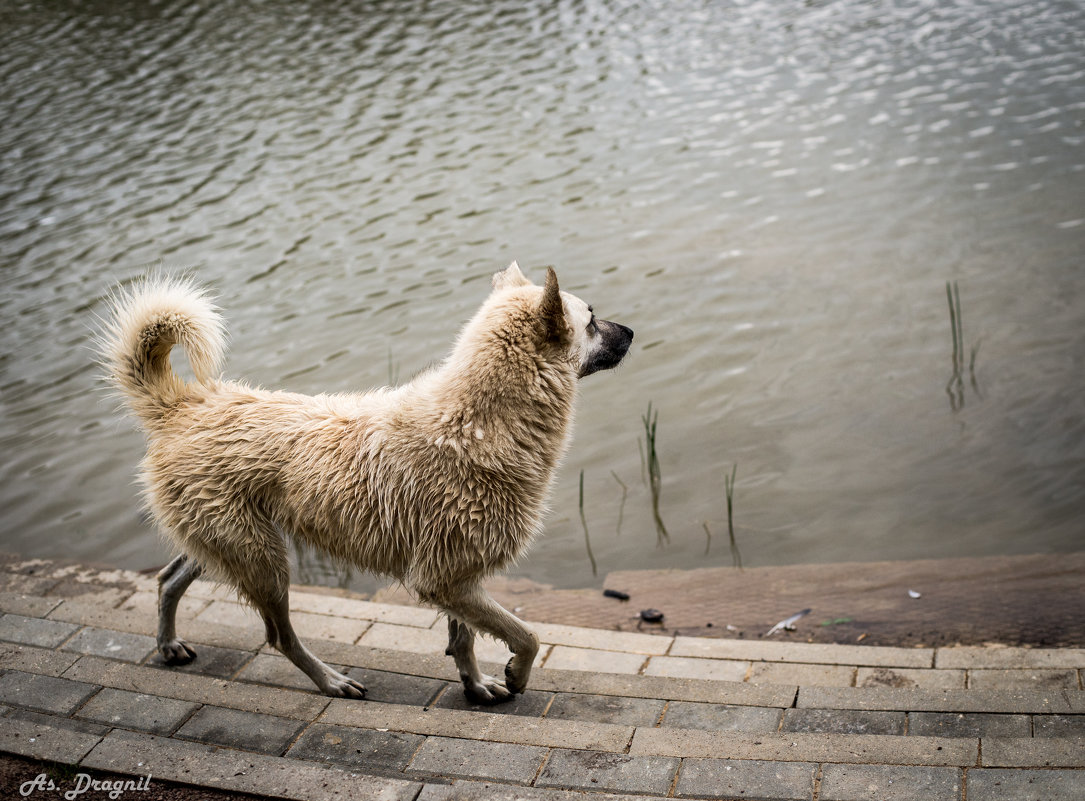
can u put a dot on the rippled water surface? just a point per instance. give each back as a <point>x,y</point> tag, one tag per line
<point>772,194</point>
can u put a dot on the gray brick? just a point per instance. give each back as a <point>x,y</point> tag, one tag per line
<point>29,659</point>
<point>397,688</point>
<point>530,704</point>
<point>843,721</point>
<point>35,631</point>
<point>36,740</point>
<point>1058,725</point>
<point>484,791</point>
<point>1038,678</point>
<point>1009,701</point>
<point>44,693</point>
<point>137,711</point>
<point>363,749</point>
<point>211,661</point>
<point>277,671</point>
<point>249,731</point>
<point>890,783</point>
<point>606,709</point>
<point>749,779</point>
<point>238,772</point>
<point>967,724</point>
<point>721,717</point>
<point>593,770</point>
<point>1032,752</point>
<point>474,759</point>
<point>993,784</point>
<point>111,644</point>
<point>58,722</point>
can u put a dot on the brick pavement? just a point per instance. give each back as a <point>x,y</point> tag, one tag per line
<point>610,714</point>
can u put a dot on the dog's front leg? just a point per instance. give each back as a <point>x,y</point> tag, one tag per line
<point>474,606</point>
<point>477,686</point>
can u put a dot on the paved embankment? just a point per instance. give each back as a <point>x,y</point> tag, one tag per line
<point>608,713</point>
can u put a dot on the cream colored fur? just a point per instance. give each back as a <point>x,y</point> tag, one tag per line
<point>437,483</point>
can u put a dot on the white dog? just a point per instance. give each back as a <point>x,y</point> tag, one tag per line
<point>438,483</point>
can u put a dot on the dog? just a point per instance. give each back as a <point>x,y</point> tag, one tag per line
<point>438,483</point>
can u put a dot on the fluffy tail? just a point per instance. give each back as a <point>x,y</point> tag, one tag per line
<point>145,323</point>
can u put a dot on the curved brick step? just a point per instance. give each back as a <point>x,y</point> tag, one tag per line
<point>81,686</point>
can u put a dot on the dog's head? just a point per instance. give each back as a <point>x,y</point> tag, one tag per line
<point>569,324</point>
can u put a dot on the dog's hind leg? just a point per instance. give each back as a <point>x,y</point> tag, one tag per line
<point>473,606</point>
<point>275,609</point>
<point>173,580</point>
<point>479,688</point>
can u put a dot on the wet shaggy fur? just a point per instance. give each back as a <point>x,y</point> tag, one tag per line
<point>437,483</point>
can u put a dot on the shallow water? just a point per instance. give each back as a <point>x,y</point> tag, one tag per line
<point>773,195</point>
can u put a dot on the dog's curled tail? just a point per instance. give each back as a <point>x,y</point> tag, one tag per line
<point>145,323</point>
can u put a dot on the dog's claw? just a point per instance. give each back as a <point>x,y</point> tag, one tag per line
<point>487,692</point>
<point>339,686</point>
<point>177,652</point>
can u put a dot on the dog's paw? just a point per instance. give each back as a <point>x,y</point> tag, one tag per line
<point>513,684</point>
<point>488,691</point>
<point>339,686</point>
<point>177,652</point>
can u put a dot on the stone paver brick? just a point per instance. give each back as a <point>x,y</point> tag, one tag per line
<point>30,605</point>
<point>277,671</point>
<point>807,675</point>
<point>484,791</point>
<point>606,709</point>
<point>137,711</point>
<point>1058,726</point>
<point>212,661</point>
<point>1010,701</point>
<point>396,688</point>
<point>1050,678</point>
<point>146,603</point>
<point>993,784</point>
<point>577,637</point>
<point>44,693</point>
<point>754,779</point>
<point>363,749</point>
<point>1032,752</point>
<point>564,657</point>
<point>58,722</point>
<point>843,721</point>
<point>592,770</point>
<point>306,624</point>
<point>806,747</point>
<point>434,641</point>
<point>111,644</point>
<point>530,704</point>
<point>39,741</point>
<point>197,688</point>
<point>35,631</point>
<point>321,604</point>
<point>968,724</point>
<point>29,659</point>
<point>721,717</point>
<point>889,783</point>
<point>238,771</point>
<point>474,759</point>
<point>690,668</point>
<point>768,651</point>
<point>911,677</point>
<point>249,731</point>
<point>984,657</point>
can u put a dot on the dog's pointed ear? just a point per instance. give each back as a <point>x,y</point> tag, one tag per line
<point>551,309</point>
<point>509,277</point>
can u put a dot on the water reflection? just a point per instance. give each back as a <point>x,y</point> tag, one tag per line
<point>773,193</point>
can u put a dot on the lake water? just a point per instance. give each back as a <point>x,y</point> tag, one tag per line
<point>774,195</point>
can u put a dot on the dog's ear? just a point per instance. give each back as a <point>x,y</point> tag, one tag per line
<point>552,311</point>
<point>509,277</point>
